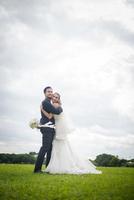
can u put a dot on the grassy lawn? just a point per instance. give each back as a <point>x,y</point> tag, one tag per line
<point>19,183</point>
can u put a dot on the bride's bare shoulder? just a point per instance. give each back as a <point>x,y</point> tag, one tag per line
<point>56,105</point>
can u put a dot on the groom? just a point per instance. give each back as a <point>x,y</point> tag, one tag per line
<point>47,132</point>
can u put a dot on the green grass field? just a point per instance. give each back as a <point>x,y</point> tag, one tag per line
<point>19,183</point>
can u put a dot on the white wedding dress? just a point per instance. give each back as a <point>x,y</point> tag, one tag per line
<point>64,160</point>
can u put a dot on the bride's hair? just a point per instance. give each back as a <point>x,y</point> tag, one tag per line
<point>59,97</point>
<point>57,94</point>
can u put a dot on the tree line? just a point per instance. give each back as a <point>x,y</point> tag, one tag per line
<point>18,158</point>
<point>106,160</point>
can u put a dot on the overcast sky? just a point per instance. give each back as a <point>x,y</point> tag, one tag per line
<point>85,50</point>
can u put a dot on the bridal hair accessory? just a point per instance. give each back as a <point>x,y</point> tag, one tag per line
<point>35,124</point>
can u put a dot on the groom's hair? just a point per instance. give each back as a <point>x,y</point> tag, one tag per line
<point>45,89</point>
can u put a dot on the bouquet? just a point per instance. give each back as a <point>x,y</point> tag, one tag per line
<point>34,123</point>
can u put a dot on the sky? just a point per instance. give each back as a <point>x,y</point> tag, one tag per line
<point>85,50</point>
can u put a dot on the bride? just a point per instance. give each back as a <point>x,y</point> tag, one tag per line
<point>64,160</point>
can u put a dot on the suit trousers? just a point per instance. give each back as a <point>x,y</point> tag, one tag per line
<point>46,148</point>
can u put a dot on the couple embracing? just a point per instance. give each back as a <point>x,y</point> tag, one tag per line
<point>60,157</point>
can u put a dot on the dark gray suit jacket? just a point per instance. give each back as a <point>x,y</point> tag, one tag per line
<point>48,107</point>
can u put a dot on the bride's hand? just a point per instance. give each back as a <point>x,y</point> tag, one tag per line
<point>50,115</point>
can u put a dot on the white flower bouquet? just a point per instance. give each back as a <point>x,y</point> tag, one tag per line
<point>34,123</point>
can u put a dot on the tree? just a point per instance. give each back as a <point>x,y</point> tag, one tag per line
<point>107,160</point>
<point>17,158</point>
<point>114,161</point>
<point>33,153</point>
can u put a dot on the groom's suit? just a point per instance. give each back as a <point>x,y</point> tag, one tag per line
<point>47,134</point>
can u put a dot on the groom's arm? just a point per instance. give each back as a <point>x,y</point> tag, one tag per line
<point>48,107</point>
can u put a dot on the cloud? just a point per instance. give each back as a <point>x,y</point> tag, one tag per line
<point>84,50</point>
<point>120,31</point>
<point>129,2</point>
<point>92,142</point>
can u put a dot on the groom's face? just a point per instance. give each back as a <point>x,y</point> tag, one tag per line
<point>49,93</point>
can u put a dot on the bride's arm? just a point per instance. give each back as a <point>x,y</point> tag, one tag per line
<point>48,115</point>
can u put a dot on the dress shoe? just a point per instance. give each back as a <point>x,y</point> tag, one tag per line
<point>38,171</point>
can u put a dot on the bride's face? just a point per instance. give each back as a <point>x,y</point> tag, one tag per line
<point>55,98</point>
